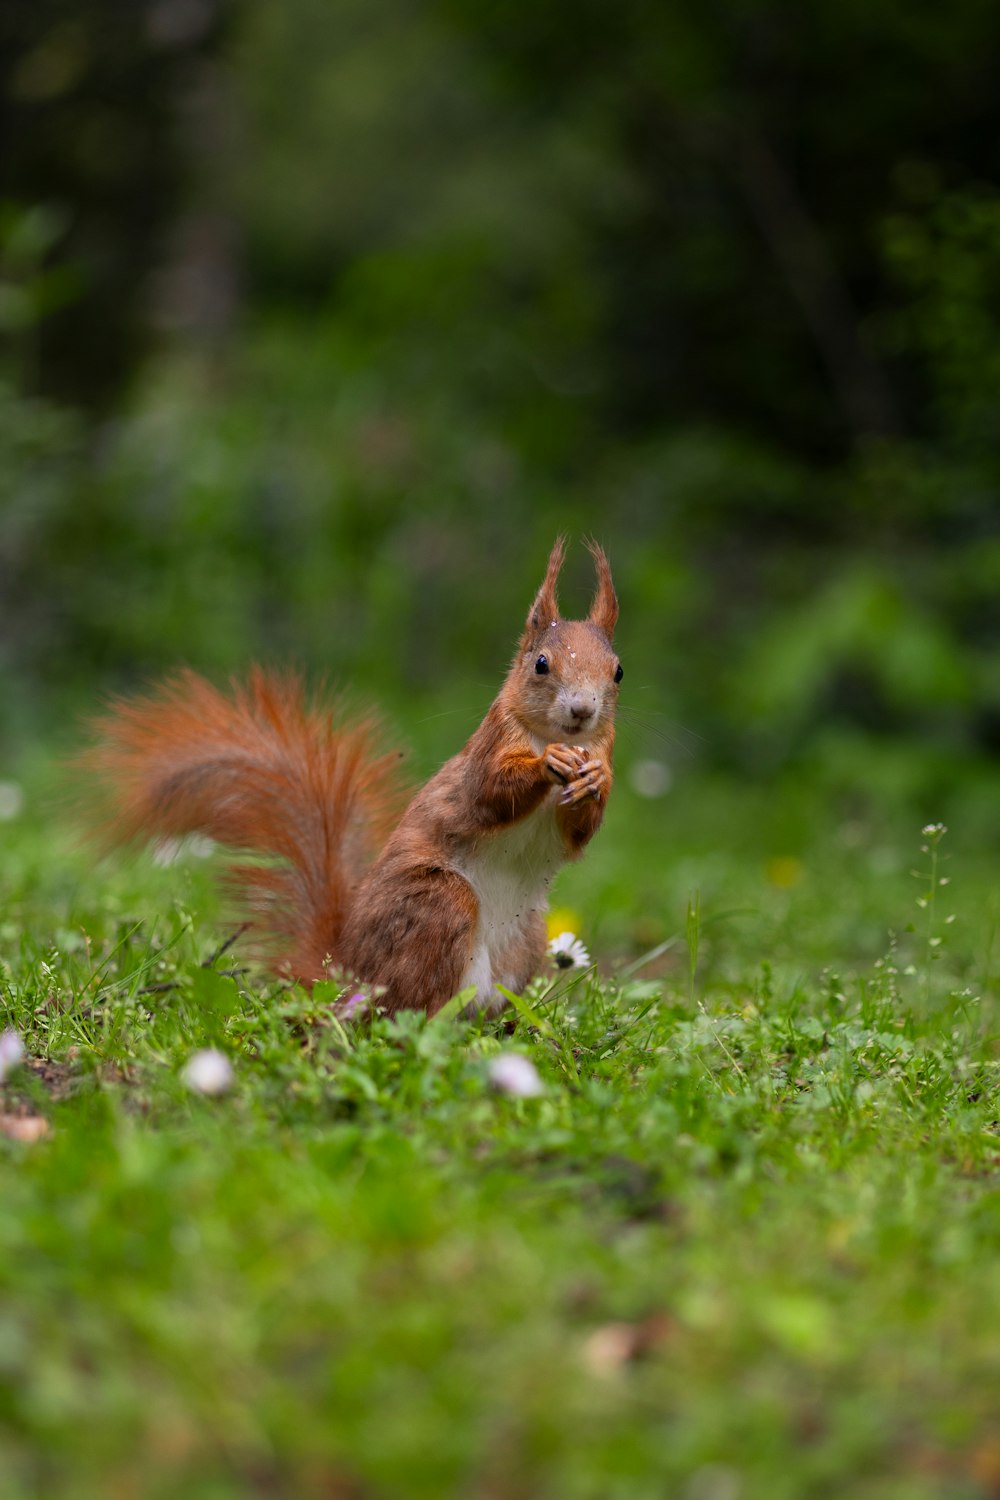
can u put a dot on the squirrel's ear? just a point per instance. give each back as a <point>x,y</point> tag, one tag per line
<point>545,610</point>
<point>604,610</point>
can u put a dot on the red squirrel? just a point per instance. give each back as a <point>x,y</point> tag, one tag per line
<point>450,895</point>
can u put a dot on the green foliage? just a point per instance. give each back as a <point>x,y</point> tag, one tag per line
<point>90,102</point>
<point>479,286</point>
<point>441,282</point>
<point>431,284</point>
<point>946,252</point>
<point>744,1241</point>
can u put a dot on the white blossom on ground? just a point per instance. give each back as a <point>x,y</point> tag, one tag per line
<point>11,800</point>
<point>512,1073</point>
<point>567,952</point>
<point>650,778</point>
<point>167,851</point>
<point>11,1053</point>
<point>208,1072</point>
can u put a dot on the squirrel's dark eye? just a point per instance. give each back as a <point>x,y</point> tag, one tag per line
<point>542,665</point>
<point>619,672</point>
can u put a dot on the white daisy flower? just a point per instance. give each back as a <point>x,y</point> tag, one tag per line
<point>567,952</point>
<point>11,1053</point>
<point>208,1072</point>
<point>514,1074</point>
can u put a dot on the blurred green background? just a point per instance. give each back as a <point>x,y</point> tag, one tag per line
<point>320,320</point>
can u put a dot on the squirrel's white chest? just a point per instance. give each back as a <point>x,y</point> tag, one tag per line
<point>510,873</point>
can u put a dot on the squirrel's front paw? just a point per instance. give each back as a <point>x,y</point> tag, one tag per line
<point>562,763</point>
<point>591,780</point>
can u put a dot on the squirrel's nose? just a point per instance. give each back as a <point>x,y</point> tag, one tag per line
<point>581,708</point>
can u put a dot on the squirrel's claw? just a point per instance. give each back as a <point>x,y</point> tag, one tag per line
<point>563,764</point>
<point>589,781</point>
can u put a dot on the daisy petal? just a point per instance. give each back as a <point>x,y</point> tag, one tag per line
<point>208,1072</point>
<point>567,952</point>
<point>512,1073</point>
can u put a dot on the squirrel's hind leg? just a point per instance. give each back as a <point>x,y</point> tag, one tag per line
<point>414,939</point>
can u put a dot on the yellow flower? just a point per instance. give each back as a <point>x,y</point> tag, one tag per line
<point>784,871</point>
<point>562,920</point>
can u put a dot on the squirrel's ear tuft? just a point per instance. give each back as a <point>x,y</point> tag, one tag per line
<point>604,610</point>
<point>545,610</point>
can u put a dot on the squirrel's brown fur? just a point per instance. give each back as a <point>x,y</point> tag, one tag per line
<point>447,895</point>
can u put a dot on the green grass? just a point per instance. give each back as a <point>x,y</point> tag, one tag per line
<point>745,1245</point>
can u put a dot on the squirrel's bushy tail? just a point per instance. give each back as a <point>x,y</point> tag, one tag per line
<point>261,770</point>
